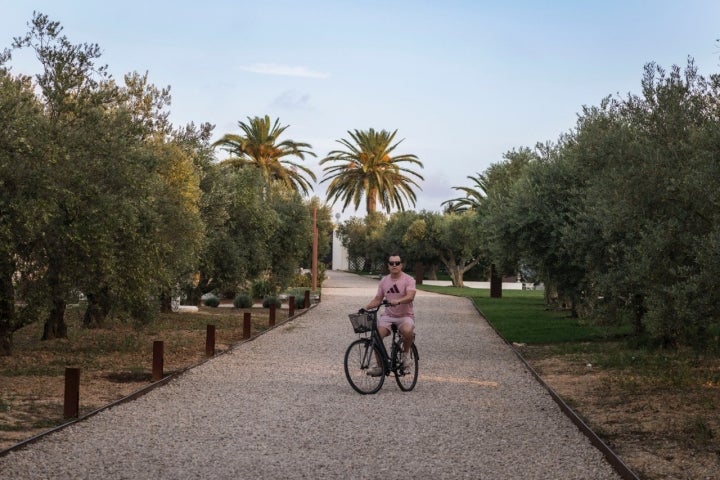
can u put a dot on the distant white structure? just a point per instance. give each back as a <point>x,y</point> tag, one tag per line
<point>187,309</point>
<point>339,254</point>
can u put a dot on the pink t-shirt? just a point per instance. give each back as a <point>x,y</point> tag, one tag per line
<point>393,289</point>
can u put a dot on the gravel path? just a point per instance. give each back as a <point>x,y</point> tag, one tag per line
<point>279,407</point>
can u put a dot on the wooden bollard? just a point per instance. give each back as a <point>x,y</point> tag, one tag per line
<point>210,341</point>
<point>71,409</point>
<point>157,365</point>
<point>307,299</point>
<point>291,305</point>
<point>271,320</point>
<point>246,325</point>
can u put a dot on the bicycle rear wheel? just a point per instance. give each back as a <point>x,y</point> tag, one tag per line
<point>360,358</point>
<point>406,375</point>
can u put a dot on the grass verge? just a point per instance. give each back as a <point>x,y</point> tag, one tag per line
<point>521,317</point>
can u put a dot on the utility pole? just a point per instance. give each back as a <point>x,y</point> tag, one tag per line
<point>314,250</point>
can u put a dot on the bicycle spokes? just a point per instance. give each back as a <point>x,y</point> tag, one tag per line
<point>362,369</point>
<point>367,356</point>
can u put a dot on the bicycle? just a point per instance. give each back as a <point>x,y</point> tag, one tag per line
<point>369,352</point>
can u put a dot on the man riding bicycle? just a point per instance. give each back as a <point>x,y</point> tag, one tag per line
<point>398,288</point>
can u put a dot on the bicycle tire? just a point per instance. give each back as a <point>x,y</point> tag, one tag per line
<point>361,356</point>
<point>406,375</point>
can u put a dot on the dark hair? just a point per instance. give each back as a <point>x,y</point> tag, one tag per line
<point>394,254</point>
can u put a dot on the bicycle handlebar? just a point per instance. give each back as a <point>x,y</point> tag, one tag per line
<point>373,310</point>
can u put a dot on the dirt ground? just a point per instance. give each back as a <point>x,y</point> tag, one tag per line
<point>114,363</point>
<point>659,432</point>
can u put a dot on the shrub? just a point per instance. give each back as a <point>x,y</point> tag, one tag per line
<point>305,279</point>
<point>299,294</point>
<point>272,300</point>
<point>262,288</point>
<point>243,300</point>
<point>212,301</point>
<point>229,292</point>
<point>302,280</point>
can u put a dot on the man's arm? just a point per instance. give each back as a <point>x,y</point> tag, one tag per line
<point>408,298</point>
<point>375,301</point>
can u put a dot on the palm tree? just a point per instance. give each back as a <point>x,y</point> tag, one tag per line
<point>496,182</point>
<point>258,146</point>
<point>474,196</point>
<point>369,169</point>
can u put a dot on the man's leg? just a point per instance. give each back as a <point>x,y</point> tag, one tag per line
<point>384,332</point>
<point>377,371</point>
<point>407,329</point>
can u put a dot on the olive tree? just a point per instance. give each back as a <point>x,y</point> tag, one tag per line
<point>363,238</point>
<point>21,179</point>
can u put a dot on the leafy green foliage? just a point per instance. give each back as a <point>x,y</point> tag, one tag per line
<point>367,168</point>
<point>457,237</point>
<point>495,184</point>
<point>117,198</point>
<point>302,280</point>
<point>299,294</point>
<point>262,287</point>
<point>239,226</point>
<point>243,300</point>
<point>364,240</point>
<point>291,240</point>
<point>268,301</point>
<point>620,218</point>
<point>259,146</point>
<point>212,301</point>
<point>101,194</point>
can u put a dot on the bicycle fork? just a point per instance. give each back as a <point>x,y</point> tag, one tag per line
<point>367,356</point>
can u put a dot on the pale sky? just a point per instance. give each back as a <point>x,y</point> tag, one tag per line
<point>461,81</point>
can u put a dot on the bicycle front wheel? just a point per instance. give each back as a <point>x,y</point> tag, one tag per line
<point>406,375</point>
<point>362,369</point>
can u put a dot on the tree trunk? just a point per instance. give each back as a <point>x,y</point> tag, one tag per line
<point>639,306</point>
<point>371,201</point>
<point>165,302</point>
<point>7,308</point>
<point>495,283</point>
<point>6,334</point>
<point>456,274</point>
<point>419,271</point>
<point>367,265</point>
<point>193,296</point>
<point>55,326</point>
<point>98,308</point>
<point>573,308</point>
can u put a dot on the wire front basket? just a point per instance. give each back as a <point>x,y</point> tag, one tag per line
<point>362,322</point>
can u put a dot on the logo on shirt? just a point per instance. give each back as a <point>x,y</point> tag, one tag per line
<point>394,289</point>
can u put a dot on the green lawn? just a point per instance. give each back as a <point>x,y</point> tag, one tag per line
<point>521,316</point>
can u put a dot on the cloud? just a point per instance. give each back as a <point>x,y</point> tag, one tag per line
<point>292,100</point>
<point>283,70</point>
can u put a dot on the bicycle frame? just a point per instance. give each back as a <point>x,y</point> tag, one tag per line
<point>379,341</point>
<point>368,352</point>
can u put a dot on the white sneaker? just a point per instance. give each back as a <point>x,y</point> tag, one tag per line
<point>375,371</point>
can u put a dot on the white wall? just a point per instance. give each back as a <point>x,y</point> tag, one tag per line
<point>339,254</point>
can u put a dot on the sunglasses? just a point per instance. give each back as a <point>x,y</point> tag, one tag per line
<point>394,264</point>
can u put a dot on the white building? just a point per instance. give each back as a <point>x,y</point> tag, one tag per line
<point>339,254</point>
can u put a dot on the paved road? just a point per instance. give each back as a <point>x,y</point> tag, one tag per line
<point>279,407</point>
